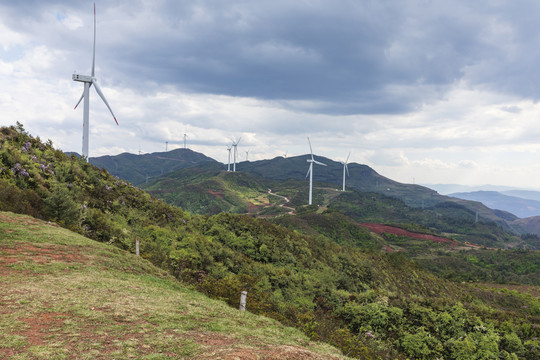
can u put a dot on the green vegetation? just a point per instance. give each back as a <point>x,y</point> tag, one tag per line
<point>449,218</point>
<point>454,261</point>
<point>66,296</point>
<point>139,169</point>
<point>331,281</point>
<point>211,191</point>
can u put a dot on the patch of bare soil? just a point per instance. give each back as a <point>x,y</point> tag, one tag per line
<point>252,208</point>
<point>380,228</point>
<point>41,255</point>
<point>216,193</point>
<point>39,326</point>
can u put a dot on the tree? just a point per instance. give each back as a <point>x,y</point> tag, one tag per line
<point>59,205</point>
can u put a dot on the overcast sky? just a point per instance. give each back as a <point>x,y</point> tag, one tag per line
<point>422,91</point>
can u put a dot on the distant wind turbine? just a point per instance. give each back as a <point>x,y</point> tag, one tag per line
<point>229,161</point>
<point>310,171</point>
<point>88,81</point>
<point>235,154</point>
<point>185,141</point>
<point>247,155</point>
<point>345,168</point>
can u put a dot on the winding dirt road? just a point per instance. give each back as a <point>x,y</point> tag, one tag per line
<point>291,211</point>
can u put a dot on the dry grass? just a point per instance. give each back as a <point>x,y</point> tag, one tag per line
<point>64,296</point>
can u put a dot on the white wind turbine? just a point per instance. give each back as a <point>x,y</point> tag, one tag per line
<point>235,154</point>
<point>345,168</point>
<point>310,171</point>
<point>229,161</point>
<point>88,81</point>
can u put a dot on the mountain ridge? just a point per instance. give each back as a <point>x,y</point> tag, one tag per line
<point>518,206</point>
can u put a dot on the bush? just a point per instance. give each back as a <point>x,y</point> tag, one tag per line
<point>60,207</point>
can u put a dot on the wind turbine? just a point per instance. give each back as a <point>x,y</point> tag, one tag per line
<point>88,81</point>
<point>310,171</point>
<point>247,155</point>
<point>229,161</point>
<point>235,145</point>
<point>345,168</point>
<point>185,140</point>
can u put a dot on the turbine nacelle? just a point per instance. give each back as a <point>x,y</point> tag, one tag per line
<point>83,78</point>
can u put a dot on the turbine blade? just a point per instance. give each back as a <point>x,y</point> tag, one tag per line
<point>310,149</point>
<point>98,90</point>
<point>82,97</point>
<point>319,163</point>
<point>78,102</point>
<point>346,161</point>
<point>347,169</point>
<point>309,170</point>
<point>94,49</point>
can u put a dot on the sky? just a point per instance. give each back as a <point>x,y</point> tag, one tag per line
<point>425,92</point>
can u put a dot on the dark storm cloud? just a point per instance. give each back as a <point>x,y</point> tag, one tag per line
<point>364,57</point>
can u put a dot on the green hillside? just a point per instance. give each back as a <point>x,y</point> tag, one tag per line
<point>210,191</point>
<point>139,169</point>
<point>368,303</point>
<point>65,296</point>
<point>291,170</point>
<point>362,178</point>
<point>447,259</point>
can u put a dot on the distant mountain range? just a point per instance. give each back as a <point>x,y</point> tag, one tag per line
<point>446,189</point>
<point>523,204</point>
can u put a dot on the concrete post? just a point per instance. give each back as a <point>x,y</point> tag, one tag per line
<point>137,251</point>
<point>243,296</point>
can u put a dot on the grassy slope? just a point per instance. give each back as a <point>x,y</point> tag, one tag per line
<point>63,294</point>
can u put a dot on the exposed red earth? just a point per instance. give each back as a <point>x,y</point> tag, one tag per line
<point>380,228</point>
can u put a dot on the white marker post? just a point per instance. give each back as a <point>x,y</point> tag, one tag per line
<point>137,251</point>
<point>243,296</point>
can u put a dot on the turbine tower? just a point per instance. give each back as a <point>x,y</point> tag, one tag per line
<point>247,155</point>
<point>229,161</point>
<point>88,81</point>
<point>310,171</point>
<point>235,154</point>
<point>345,168</point>
<point>185,141</point>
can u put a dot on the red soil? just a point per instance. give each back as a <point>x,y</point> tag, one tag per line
<point>380,228</point>
<point>216,193</point>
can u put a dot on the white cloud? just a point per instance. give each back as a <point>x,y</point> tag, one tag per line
<point>434,91</point>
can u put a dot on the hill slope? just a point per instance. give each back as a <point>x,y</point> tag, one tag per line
<point>164,178</point>
<point>63,294</point>
<point>138,169</point>
<point>210,191</point>
<point>368,303</point>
